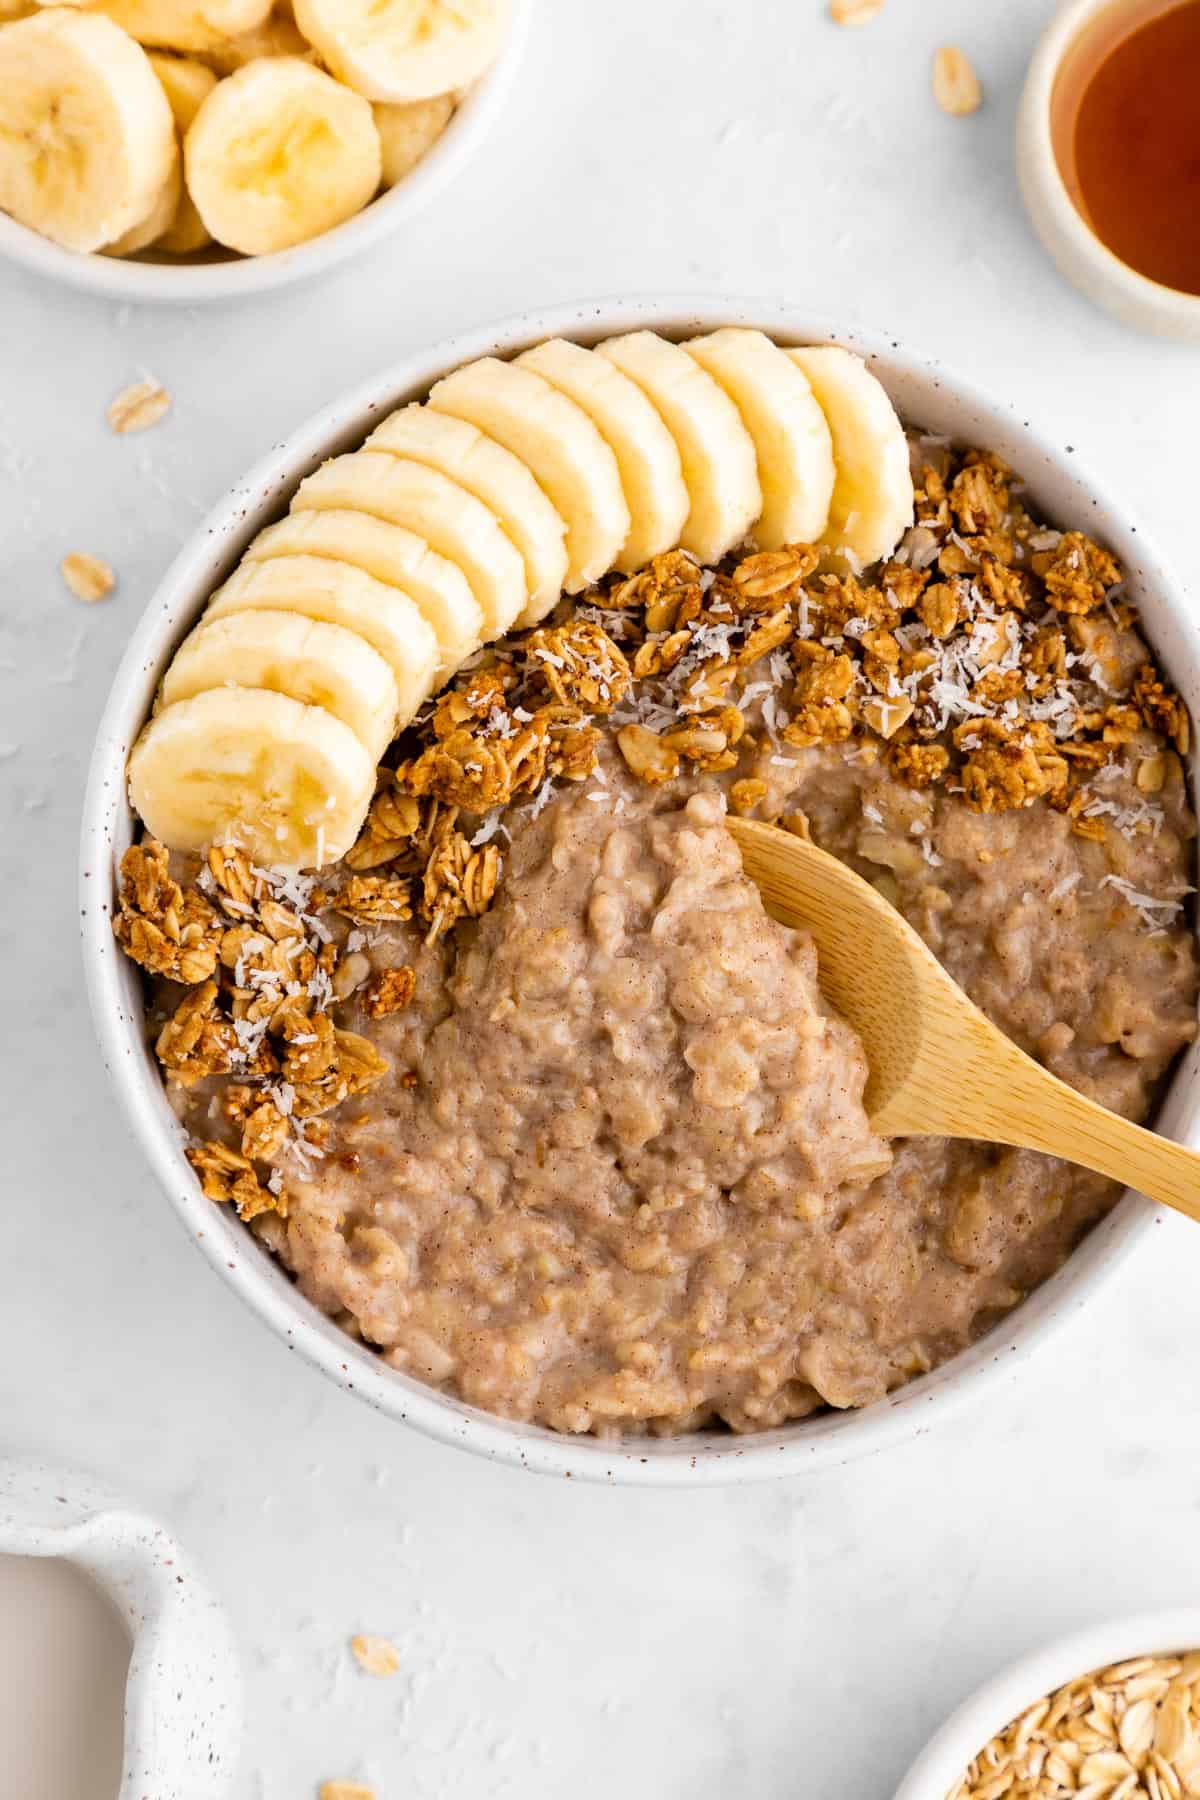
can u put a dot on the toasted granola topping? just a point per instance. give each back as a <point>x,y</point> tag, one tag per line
<point>228,1177</point>
<point>1077,573</point>
<point>1162,710</point>
<point>390,991</point>
<point>168,932</point>
<point>580,664</point>
<point>374,899</point>
<point>458,883</point>
<point>196,1040</point>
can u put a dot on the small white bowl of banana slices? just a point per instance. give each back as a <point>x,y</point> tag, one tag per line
<point>191,150</point>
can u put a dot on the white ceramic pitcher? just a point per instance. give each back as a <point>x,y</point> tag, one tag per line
<point>183,1713</point>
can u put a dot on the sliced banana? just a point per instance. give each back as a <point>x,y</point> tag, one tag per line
<point>562,450</point>
<point>159,220</point>
<point>288,783</point>
<point>184,24</point>
<point>791,438</point>
<point>651,471</point>
<point>439,589</point>
<point>872,504</point>
<point>719,465</point>
<point>407,132</point>
<point>405,49</point>
<point>278,153</point>
<point>278,35</point>
<point>495,476</point>
<point>87,143</point>
<point>187,85</point>
<point>426,502</point>
<point>337,594</point>
<point>318,664</point>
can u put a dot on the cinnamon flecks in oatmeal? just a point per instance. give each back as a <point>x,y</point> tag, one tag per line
<point>531,1096</point>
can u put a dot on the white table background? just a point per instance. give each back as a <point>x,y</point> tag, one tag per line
<point>797,1639</point>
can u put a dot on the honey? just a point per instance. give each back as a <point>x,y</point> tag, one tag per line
<point>1126,131</point>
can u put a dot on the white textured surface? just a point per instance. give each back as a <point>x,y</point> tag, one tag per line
<point>795,1640</point>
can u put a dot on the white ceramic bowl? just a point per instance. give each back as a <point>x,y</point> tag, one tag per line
<point>183,1694</point>
<point>1007,1695</point>
<point>233,277</point>
<point>924,393</point>
<point>1087,263</point>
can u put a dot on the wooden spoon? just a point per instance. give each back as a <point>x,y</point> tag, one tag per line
<point>938,1067</point>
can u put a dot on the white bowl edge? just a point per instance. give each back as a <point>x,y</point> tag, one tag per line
<point>926,396</point>
<point>188,283</point>
<point>1015,1688</point>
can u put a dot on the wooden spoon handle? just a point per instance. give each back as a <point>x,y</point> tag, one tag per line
<point>1015,1101</point>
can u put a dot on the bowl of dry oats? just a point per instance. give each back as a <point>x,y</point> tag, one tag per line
<point>423,961</point>
<point>1112,1711</point>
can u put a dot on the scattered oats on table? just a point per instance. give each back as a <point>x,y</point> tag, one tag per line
<point>956,86</point>
<point>375,1655</point>
<point>854,12</point>
<point>87,576</point>
<point>139,407</point>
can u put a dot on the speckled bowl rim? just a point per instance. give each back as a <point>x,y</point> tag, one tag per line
<point>1016,1687</point>
<point>190,283</point>
<point>927,393</point>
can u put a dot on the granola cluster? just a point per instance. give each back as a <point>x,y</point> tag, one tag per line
<point>260,971</point>
<point>984,656</point>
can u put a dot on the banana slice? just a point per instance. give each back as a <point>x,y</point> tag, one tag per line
<point>279,153</point>
<point>337,594</point>
<point>278,35</point>
<point>287,782</point>
<point>493,475</point>
<point>719,467</point>
<point>439,590</point>
<point>405,49</point>
<point>87,143</point>
<point>187,85</point>
<point>651,471</point>
<point>318,664</point>
<point>562,450</point>
<point>158,222</point>
<point>184,24</point>
<point>791,438</point>
<point>427,503</point>
<point>407,132</point>
<point>872,504</point>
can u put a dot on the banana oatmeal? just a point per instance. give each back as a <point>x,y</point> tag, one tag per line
<point>528,1092</point>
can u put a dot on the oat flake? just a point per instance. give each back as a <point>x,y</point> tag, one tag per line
<point>139,407</point>
<point>376,1655</point>
<point>854,12</point>
<point>955,84</point>
<point>87,577</point>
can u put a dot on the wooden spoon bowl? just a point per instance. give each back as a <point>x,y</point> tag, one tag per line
<point>938,1067</point>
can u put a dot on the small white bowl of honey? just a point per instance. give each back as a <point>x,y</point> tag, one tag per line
<point>1108,154</point>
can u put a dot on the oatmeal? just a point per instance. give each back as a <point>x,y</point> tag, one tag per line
<point>530,1094</point>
